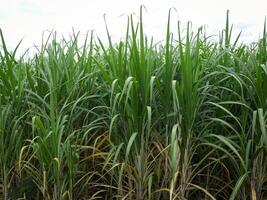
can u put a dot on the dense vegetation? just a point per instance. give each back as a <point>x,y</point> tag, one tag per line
<point>181,119</point>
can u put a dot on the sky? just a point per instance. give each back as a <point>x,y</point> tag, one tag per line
<point>28,19</point>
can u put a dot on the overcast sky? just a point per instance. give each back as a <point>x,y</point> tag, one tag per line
<point>27,19</point>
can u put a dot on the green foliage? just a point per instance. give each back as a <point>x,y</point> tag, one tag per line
<point>181,119</point>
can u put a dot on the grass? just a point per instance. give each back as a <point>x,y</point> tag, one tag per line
<point>181,119</point>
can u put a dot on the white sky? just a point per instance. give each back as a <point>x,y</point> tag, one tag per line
<point>27,19</point>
